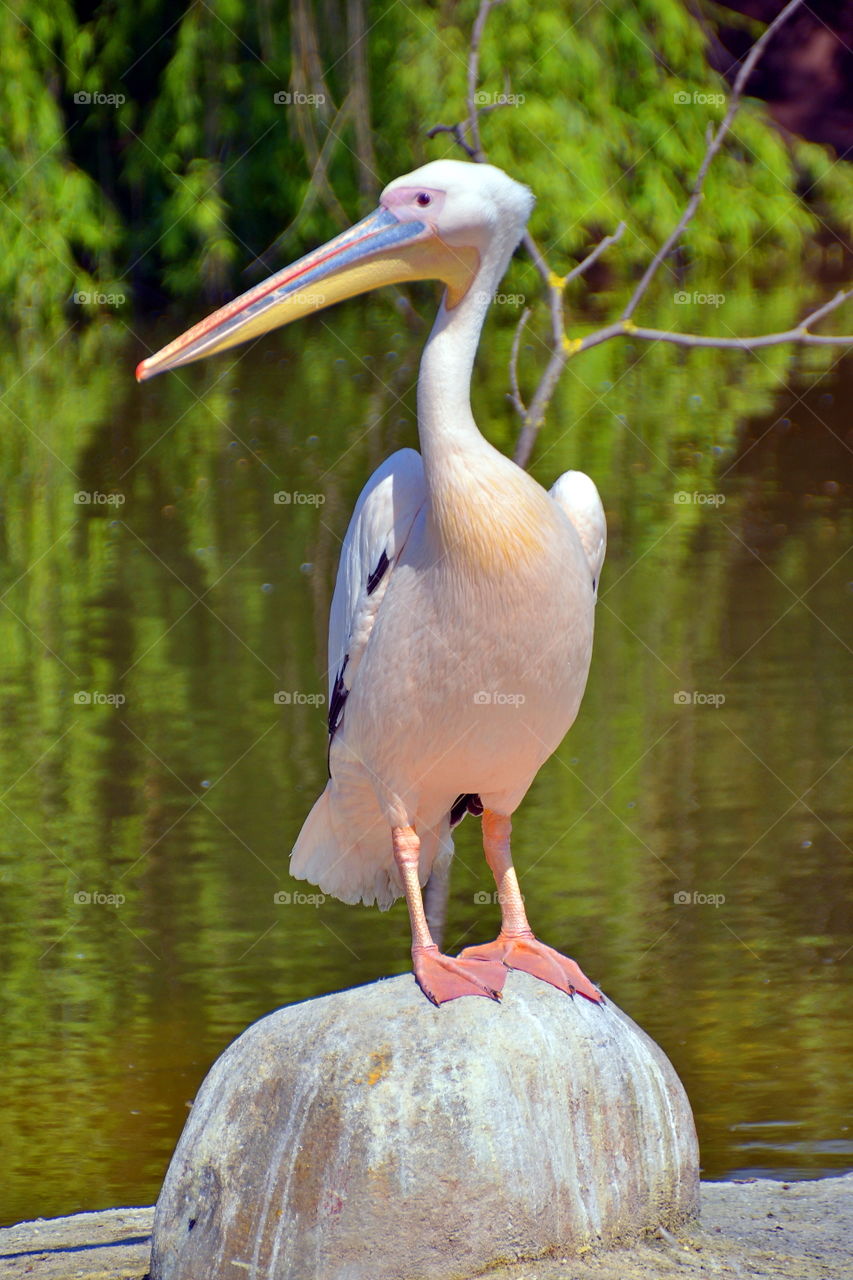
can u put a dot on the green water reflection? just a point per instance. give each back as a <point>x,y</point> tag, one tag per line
<point>180,788</point>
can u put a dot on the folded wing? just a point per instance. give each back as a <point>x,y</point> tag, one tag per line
<point>382,521</point>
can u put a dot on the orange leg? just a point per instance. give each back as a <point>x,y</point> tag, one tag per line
<point>440,977</point>
<point>516,946</point>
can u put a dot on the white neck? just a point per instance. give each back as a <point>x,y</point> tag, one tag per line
<point>445,422</point>
<point>466,478</point>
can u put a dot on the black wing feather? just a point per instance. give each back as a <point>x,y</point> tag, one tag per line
<point>378,574</point>
<point>470,803</point>
<point>339,697</point>
<point>339,690</point>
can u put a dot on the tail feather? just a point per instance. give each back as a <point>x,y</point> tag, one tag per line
<point>345,848</point>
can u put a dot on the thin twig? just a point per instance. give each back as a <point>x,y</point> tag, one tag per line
<point>561,348</point>
<point>552,283</point>
<point>535,415</point>
<point>595,254</point>
<point>564,348</point>
<point>515,394</point>
<point>458,131</point>
<point>800,335</point>
<point>472,126</point>
<point>715,141</point>
<point>820,312</point>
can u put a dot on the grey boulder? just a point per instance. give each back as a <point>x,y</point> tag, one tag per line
<point>368,1134</point>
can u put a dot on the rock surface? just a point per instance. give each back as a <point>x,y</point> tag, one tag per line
<point>114,1244</point>
<point>764,1230</point>
<point>368,1133</point>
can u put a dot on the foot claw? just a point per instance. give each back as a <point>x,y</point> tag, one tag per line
<point>534,957</point>
<point>443,978</point>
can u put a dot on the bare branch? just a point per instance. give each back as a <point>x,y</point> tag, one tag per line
<point>820,312</point>
<point>536,256</point>
<point>801,335</point>
<point>595,254</point>
<point>715,141</point>
<point>542,397</point>
<point>515,395</point>
<point>551,282</point>
<point>472,126</point>
<point>564,348</point>
<point>458,131</point>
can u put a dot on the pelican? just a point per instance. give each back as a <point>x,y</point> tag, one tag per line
<point>461,623</point>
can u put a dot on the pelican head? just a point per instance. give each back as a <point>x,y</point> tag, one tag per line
<point>449,221</point>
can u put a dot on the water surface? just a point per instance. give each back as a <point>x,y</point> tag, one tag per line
<point>689,844</point>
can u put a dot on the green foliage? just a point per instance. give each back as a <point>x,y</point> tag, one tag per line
<point>183,162</point>
<point>602,144</point>
<point>58,230</point>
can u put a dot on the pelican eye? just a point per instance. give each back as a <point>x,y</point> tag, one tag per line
<point>423,198</point>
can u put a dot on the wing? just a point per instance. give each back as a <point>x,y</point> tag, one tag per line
<point>576,494</point>
<point>381,522</point>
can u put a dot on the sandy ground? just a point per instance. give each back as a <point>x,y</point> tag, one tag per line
<point>750,1231</point>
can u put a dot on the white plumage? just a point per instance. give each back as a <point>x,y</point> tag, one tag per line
<point>461,625</point>
<point>579,498</point>
<point>343,846</point>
